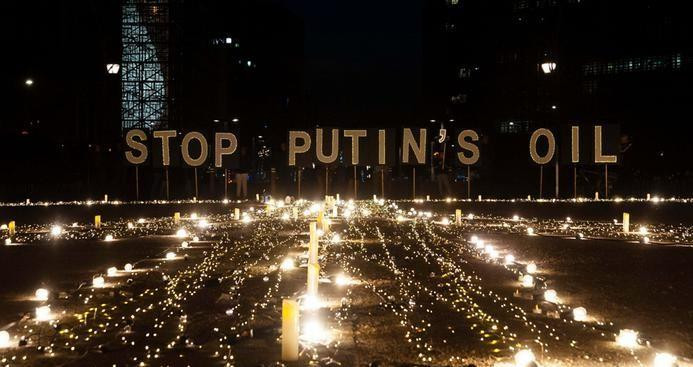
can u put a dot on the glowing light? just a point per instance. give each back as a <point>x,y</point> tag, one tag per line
<point>112,68</point>
<point>196,239</point>
<point>474,239</point>
<point>112,271</point>
<point>662,360</point>
<point>246,218</point>
<point>4,339</point>
<point>193,215</point>
<point>527,281</point>
<point>286,217</point>
<point>580,314</point>
<point>314,332</point>
<point>98,282</point>
<point>319,232</point>
<point>530,231</point>
<point>516,217</point>
<point>445,221</point>
<point>548,67</point>
<point>470,216</point>
<point>41,294</point>
<point>311,303</point>
<point>509,259</point>
<point>170,255</point>
<point>203,224</point>
<point>550,295</point>
<point>342,280</point>
<point>287,264</point>
<point>130,225</point>
<point>627,338</point>
<point>128,267</point>
<point>181,233</point>
<point>184,244</point>
<point>336,238</point>
<point>645,240</point>
<point>140,221</point>
<point>400,218</point>
<point>109,238</point>
<point>531,268</point>
<point>56,231</point>
<point>43,313</point>
<point>642,230</point>
<point>524,358</point>
<point>8,241</point>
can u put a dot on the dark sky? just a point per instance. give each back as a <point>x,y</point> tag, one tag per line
<point>362,59</point>
<point>361,62</point>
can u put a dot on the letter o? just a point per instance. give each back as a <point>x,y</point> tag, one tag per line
<point>533,146</point>
<point>185,149</point>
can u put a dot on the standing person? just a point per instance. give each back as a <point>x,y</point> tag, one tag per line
<point>441,169</point>
<point>242,175</point>
<point>283,170</point>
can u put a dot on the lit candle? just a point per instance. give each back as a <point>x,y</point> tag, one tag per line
<point>11,227</point>
<point>313,275</point>
<point>176,217</point>
<point>626,222</point>
<point>313,244</point>
<point>97,221</point>
<point>290,330</point>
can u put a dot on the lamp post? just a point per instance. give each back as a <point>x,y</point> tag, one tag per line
<point>548,67</point>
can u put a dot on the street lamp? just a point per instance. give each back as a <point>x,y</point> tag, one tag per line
<point>548,67</point>
<point>112,68</point>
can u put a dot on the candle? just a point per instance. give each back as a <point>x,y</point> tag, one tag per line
<point>12,228</point>
<point>176,217</point>
<point>313,275</point>
<point>236,214</point>
<point>458,217</point>
<point>313,244</point>
<point>97,221</point>
<point>290,330</point>
<point>626,222</point>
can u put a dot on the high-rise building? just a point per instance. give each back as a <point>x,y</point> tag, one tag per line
<point>144,70</point>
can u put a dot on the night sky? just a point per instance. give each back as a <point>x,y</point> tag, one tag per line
<point>363,59</point>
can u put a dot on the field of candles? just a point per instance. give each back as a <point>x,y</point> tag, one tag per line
<point>347,283</point>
